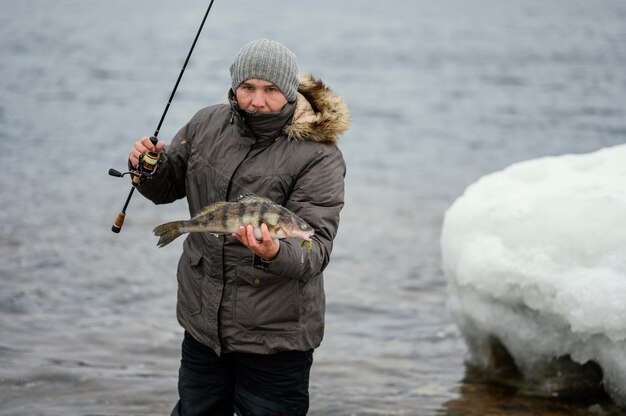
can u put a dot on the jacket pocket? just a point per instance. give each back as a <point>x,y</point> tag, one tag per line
<point>190,279</point>
<point>264,303</point>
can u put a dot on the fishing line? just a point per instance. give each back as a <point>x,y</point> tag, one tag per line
<point>148,164</point>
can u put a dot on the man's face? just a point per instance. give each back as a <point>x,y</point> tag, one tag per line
<point>257,95</point>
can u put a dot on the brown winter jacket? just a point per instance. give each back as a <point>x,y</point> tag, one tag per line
<point>227,298</point>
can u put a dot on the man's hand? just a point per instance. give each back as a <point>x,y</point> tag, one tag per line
<point>267,248</point>
<point>142,146</point>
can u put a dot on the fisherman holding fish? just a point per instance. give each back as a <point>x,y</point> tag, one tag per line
<point>262,175</point>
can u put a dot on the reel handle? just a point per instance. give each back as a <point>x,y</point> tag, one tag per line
<point>116,173</point>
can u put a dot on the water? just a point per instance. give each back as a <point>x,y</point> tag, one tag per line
<point>440,92</point>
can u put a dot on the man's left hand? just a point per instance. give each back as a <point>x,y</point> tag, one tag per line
<point>267,248</point>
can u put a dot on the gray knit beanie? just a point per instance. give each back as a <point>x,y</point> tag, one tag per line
<point>270,61</point>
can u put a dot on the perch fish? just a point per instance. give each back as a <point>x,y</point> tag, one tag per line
<point>226,217</point>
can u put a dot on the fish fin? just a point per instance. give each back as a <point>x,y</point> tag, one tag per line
<point>168,232</point>
<point>247,198</point>
<point>211,208</point>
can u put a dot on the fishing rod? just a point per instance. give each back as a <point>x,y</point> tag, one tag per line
<point>149,162</point>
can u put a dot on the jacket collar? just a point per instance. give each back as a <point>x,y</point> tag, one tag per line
<point>320,115</point>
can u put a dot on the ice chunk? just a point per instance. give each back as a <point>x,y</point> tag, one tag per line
<point>535,257</point>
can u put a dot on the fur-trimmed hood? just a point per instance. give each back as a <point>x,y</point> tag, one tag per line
<point>320,115</point>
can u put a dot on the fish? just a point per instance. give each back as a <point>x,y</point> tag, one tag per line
<point>225,217</point>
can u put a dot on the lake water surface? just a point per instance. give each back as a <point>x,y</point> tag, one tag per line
<point>441,93</point>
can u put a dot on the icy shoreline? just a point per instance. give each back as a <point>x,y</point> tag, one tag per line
<point>535,257</point>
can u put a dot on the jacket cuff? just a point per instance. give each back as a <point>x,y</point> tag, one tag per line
<point>288,262</point>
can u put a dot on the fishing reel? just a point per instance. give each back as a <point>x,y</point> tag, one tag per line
<point>147,167</point>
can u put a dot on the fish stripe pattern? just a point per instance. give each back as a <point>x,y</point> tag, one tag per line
<point>225,216</point>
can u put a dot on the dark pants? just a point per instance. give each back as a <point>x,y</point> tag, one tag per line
<point>248,384</point>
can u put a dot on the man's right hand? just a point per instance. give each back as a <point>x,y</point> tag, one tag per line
<point>142,146</point>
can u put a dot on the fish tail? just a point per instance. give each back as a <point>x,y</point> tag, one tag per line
<point>168,232</point>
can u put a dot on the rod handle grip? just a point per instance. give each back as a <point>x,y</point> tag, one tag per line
<point>119,221</point>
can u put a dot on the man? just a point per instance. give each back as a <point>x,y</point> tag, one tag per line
<point>253,311</point>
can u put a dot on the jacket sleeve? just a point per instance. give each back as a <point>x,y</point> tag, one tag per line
<point>168,184</point>
<point>317,197</point>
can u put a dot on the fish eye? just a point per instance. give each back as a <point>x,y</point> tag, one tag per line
<point>303,227</point>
